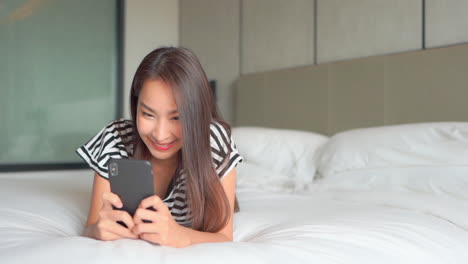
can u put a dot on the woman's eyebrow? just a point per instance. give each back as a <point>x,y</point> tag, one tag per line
<point>154,111</point>
<point>147,107</point>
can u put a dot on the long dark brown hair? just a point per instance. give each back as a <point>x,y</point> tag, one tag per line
<point>182,71</point>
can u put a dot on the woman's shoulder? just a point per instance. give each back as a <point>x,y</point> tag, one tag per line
<point>121,130</point>
<point>118,128</point>
<point>220,136</point>
<point>219,130</point>
<point>223,149</point>
<point>119,124</point>
<point>114,140</point>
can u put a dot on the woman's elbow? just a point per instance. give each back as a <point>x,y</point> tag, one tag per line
<point>227,237</point>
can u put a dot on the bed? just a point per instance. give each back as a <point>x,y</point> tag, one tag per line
<point>321,182</point>
<point>319,200</point>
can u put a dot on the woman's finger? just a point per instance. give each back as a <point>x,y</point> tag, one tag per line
<point>154,201</point>
<point>113,229</point>
<point>110,199</point>
<point>119,215</point>
<point>122,231</point>
<point>151,237</point>
<point>108,236</point>
<point>146,228</point>
<point>144,214</point>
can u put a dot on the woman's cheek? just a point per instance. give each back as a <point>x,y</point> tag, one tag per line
<point>179,131</point>
<point>180,139</point>
<point>144,128</point>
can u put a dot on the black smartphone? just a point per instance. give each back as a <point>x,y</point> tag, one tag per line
<point>131,180</point>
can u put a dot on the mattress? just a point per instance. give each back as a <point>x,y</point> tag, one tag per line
<point>43,215</point>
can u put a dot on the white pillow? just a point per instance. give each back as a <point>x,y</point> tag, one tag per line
<point>440,180</point>
<point>250,175</point>
<point>289,156</point>
<point>400,146</point>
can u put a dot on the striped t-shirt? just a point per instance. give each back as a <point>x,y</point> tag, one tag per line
<point>114,141</point>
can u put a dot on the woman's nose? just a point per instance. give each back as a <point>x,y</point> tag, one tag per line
<point>161,131</point>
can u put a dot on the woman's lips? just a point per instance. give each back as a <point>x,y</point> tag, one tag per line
<point>162,147</point>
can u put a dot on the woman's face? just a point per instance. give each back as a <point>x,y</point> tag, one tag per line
<point>158,120</point>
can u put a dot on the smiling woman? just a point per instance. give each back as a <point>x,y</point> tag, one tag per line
<point>176,126</point>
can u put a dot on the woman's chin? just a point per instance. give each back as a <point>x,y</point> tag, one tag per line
<point>162,155</point>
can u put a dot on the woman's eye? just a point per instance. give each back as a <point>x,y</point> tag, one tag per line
<point>146,114</point>
<point>175,118</point>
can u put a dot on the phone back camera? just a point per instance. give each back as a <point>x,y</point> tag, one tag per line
<point>113,169</point>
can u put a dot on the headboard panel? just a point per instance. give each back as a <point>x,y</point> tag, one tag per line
<point>423,86</point>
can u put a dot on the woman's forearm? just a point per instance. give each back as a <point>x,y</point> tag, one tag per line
<point>192,237</point>
<point>89,231</point>
<point>196,237</point>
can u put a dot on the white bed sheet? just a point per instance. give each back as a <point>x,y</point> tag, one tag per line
<point>41,219</point>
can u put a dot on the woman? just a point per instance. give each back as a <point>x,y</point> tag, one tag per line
<point>176,126</point>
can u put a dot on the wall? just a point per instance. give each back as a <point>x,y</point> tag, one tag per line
<point>446,22</point>
<point>409,87</point>
<point>210,28</point>
<point>148,24</point>
<point>360,28</point>
<point>276,34</point>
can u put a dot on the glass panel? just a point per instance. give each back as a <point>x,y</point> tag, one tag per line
<point>57,77</point>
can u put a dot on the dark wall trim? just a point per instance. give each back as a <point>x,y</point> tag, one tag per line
<point>423,24</point>
<point>120,47</point>
<point>42,167</point>
<point>241,23</point>
<point>179,15</point>
<point>120,23</point>
<point>315,31</point>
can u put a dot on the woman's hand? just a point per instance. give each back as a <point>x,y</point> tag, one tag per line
<point>163,229</point>
<point>107,228</point>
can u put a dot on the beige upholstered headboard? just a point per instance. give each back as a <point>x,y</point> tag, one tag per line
<point>423,86</point>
